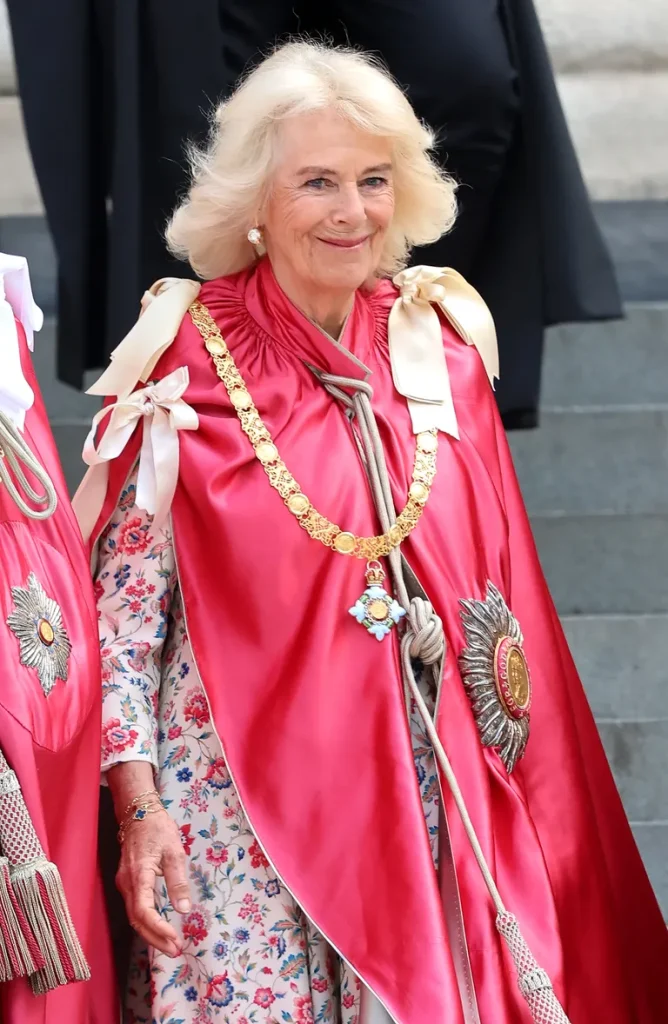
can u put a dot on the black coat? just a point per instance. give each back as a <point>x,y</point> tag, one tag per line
<point>111,91</point>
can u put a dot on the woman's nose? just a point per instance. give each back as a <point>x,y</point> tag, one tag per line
<point>350,206</point>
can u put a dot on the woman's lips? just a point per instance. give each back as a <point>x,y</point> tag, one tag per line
<point>346,243</point>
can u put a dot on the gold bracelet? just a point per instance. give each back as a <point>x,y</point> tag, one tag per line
<point>138,799</point>
<point>137,813</point>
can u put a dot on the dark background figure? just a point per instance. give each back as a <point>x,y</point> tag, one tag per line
<point>110,92</point>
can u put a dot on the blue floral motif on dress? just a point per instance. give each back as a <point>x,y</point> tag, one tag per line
<point>222,992</point>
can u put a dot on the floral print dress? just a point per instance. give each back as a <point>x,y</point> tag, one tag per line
<point>250,956</point>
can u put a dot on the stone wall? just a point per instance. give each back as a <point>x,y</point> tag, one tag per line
<point>599,35</point>
<point>7,76</point>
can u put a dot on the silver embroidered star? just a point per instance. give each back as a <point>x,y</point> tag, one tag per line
<point>496,675</point>
<point>37,621</point>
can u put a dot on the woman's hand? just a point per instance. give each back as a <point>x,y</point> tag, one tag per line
<point>151,848</point>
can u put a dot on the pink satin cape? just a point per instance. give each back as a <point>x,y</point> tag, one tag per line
<point>53,743</point>
<point>309,708</point>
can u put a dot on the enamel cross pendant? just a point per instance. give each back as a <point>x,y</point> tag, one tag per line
<point>376,610</point>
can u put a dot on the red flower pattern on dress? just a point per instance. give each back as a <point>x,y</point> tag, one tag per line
<point>195,926</point>
<point>348,999</point>
<point>116,738</point>
<point>264,997</point>
<point>304,1010</point>
<point>187,839</point>
<point>249,908</point>
<point>217,855</point>
<point>217,771</point>
<point>133,536</point>
<point>258,859</point>
<point>196,708</point>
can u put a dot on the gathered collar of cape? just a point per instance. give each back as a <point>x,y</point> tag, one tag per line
<point>254,295</point>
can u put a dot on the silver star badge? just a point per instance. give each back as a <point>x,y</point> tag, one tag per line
<point>37,622</point>
<point>496,675</point>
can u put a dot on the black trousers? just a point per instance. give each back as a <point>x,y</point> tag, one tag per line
<point>451,57</point>
<point>111,90</point>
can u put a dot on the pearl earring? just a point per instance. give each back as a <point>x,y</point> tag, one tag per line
<point>255,236</point>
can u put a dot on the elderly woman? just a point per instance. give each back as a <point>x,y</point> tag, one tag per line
<point>355,772</point>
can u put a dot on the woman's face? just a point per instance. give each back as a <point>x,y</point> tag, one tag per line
<point>330,204</point>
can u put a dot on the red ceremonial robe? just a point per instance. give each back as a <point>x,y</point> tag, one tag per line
<point>310,709</point>
<point>53,743</point>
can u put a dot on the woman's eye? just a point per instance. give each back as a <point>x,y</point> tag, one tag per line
<point>317,183</point>
<point>374,182</point>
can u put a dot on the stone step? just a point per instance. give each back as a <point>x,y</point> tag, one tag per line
<point>638,755</point>
<point>615,363</point>
<point>617,120</point>
<point>622,663</point>
<point>605,565</point>
<point>596,460</point>
<point>652,840</point>
<point>637,236</point>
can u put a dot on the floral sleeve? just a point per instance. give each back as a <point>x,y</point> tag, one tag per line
<point>134,584</point>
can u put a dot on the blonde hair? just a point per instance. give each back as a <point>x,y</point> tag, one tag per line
<point>231,176</point>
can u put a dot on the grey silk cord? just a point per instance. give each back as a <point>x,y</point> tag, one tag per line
<point>424,639</point>
<point>15,452</point>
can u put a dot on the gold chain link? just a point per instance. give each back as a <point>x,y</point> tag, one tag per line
<point>282,480</point>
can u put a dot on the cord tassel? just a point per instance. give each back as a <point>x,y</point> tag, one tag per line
<point>533,981</point>
<point>38,889</point>
<point>19,951</point>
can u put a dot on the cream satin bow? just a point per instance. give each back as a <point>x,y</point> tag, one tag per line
<point>164,413</point>
<point>163,307</point>
<point>419,368</point>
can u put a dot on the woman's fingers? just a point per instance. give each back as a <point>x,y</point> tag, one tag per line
<point>174,871</point>
<point>153,847</point>
<point>146,919</point>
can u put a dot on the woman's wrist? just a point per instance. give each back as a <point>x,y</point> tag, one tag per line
<point>130,781</point>
<point>139,808</point>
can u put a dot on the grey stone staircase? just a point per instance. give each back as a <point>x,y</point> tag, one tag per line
<point>595,480</point>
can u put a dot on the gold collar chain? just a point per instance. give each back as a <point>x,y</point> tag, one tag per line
<point>316,525</point>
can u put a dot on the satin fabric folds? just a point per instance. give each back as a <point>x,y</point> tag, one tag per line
<point>53,743</point>
<point>310,709</point>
